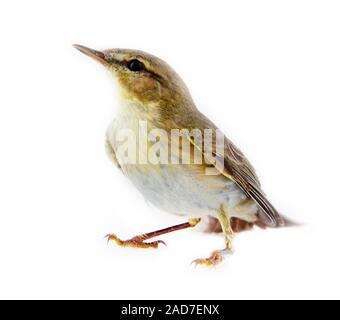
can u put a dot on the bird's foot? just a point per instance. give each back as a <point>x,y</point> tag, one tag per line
<point>215,258</point>
<point>135,242</point>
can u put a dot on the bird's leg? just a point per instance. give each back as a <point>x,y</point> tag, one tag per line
<point>139,241</point>
<point>217,256</point>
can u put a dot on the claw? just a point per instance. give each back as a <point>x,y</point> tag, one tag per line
<point>162,242</point>
<point>114,238</point>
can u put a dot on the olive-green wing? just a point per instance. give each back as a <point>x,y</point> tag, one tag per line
<point>235,166</point>
<point>239,169</point>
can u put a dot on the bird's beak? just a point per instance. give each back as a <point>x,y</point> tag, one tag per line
<point>97,55</point>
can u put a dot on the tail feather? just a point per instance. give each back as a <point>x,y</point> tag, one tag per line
<point>239,225</point>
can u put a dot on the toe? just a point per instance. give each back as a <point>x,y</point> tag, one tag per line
<point>153,244</point>
<point>113,237</point>
<point>206,262</point>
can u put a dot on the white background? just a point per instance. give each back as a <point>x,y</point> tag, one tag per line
<point>267,72</point>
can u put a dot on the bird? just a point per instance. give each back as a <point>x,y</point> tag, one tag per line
<point>229,195</point>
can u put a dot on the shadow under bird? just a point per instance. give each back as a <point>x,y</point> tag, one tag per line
<point>150,90</point>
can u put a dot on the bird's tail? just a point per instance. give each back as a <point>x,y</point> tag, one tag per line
<point>239,225</point>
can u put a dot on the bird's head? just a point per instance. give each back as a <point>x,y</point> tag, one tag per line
<point>144,78</point>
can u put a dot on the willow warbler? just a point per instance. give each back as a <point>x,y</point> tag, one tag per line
<point>219,182</point>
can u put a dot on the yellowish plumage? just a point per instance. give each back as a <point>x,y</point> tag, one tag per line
<point>151,91</point>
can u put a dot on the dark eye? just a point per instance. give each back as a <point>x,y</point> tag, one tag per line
<point>135,65</point>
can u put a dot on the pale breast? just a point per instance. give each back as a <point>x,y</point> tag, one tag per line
<point>176,189</point>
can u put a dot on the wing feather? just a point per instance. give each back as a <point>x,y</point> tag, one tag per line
<point>237,168</point>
